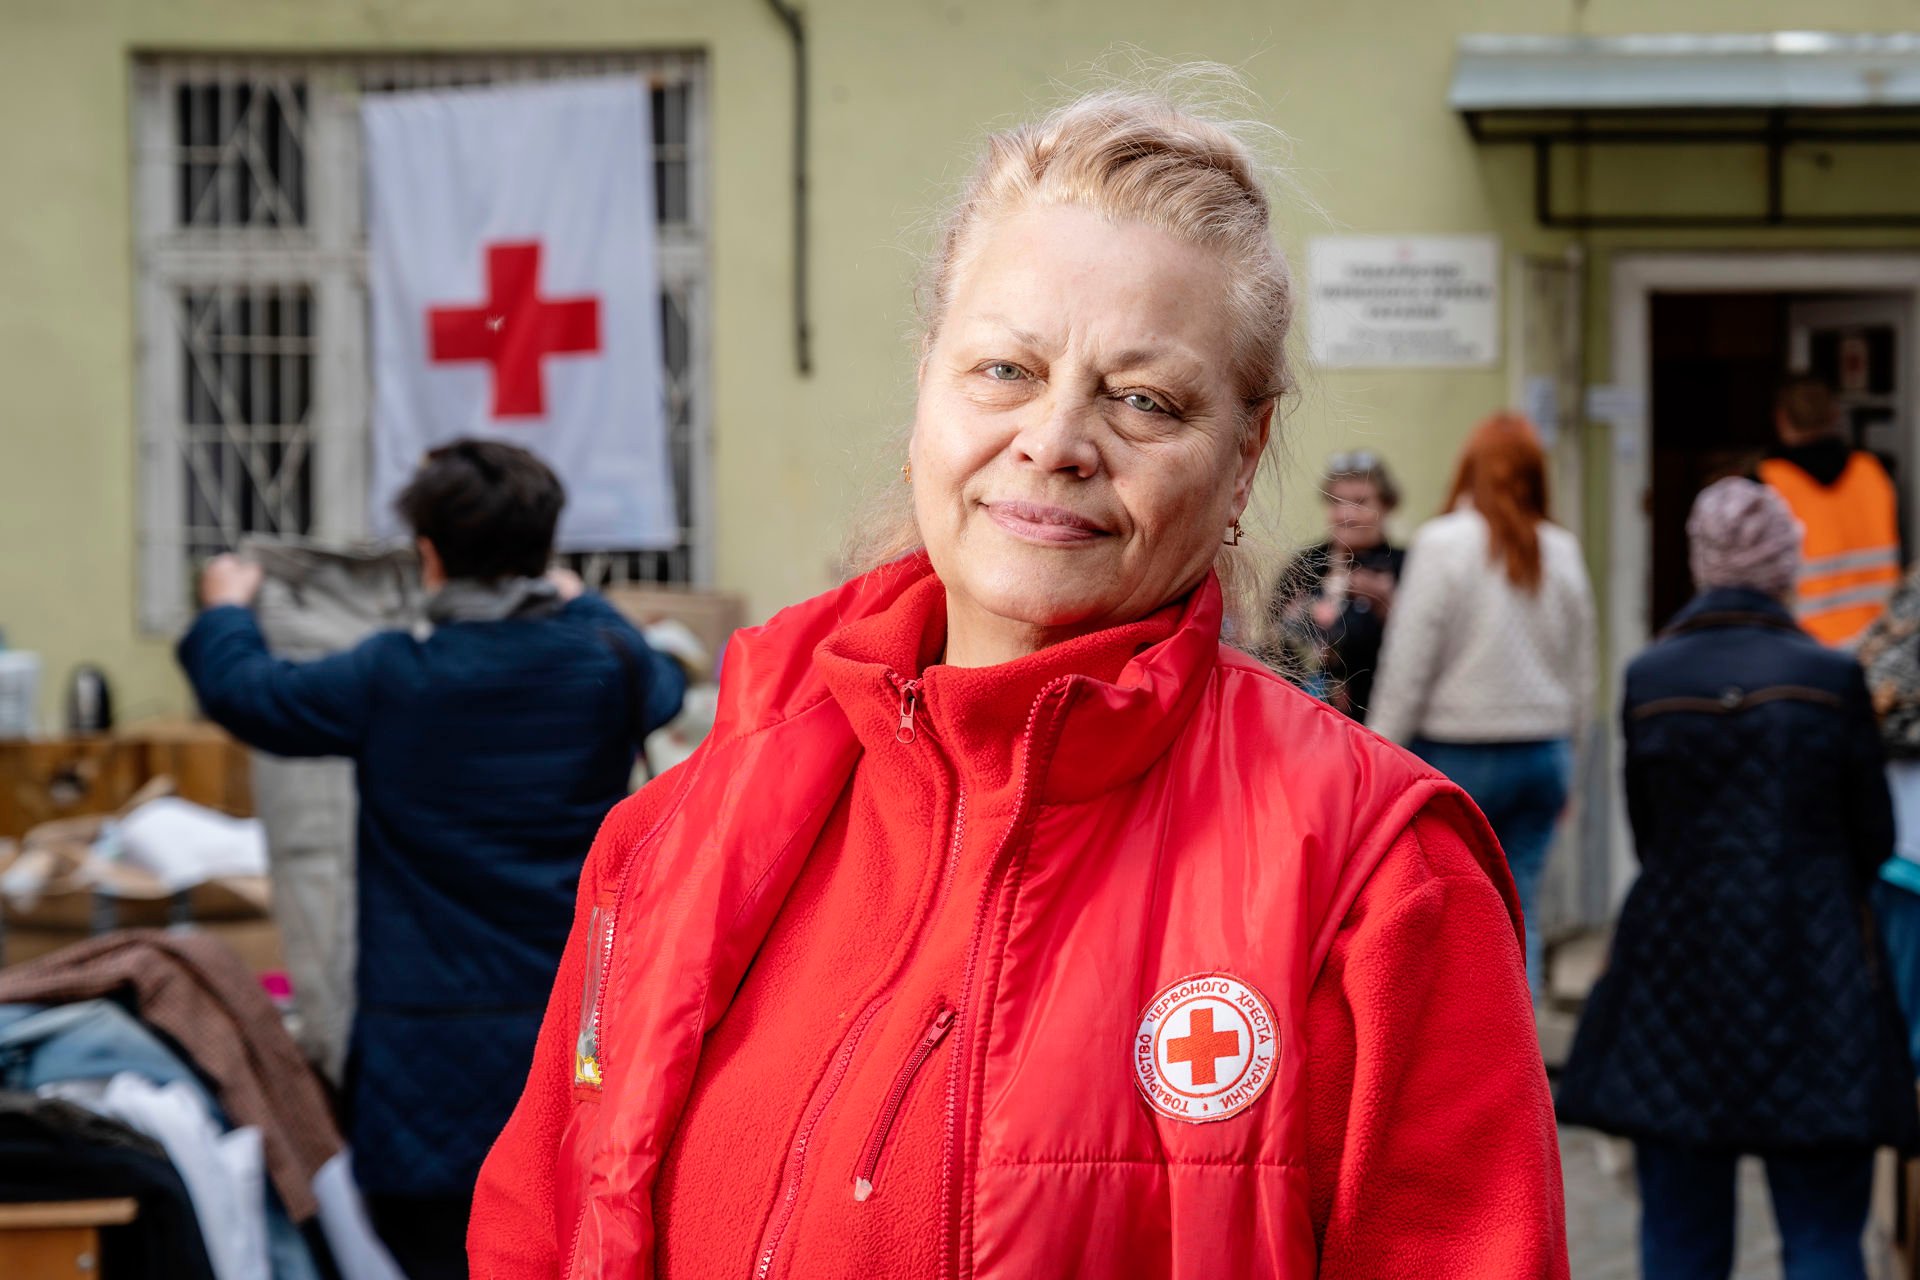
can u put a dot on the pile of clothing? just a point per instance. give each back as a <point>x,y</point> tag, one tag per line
<point>151,1065</point>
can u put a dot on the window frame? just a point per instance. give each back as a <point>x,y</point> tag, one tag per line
<point>327,256</point>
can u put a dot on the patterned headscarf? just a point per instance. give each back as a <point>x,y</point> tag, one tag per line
<point>1743,534</point>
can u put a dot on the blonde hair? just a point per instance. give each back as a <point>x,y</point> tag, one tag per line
<point>1144,157</point>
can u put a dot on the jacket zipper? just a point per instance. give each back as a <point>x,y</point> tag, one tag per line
<point>909,699</point>
<point>896,1096</point>
<point>953,850</point>
<point>606,972</point>
<point>951,1139</point>
<point>593,994</point>
<point>797,1157</point>
<point>907,733</point>
<point>603,941</point>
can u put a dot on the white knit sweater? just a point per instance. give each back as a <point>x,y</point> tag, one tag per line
<point>1469,657</point>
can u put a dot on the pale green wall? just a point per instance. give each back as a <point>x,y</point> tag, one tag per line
<point>902,88</point>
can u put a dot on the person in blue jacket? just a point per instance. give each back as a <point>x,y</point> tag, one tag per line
<point>487,752</point>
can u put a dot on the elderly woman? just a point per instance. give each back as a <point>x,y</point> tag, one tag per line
<point>1008,924</point>
<point>1747,1007</point>
<point>1332,602</point>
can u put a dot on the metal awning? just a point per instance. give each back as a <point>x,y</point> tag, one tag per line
<point>1769,90</point>
<point>1495,75</point>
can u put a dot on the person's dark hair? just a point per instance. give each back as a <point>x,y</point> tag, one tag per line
<point>1806,401</point>
<point>488,508</point>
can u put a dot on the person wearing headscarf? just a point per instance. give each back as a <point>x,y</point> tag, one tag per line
<point>1746,1008</point>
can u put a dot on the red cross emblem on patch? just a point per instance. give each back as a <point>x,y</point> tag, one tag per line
<point>1206,1048</point>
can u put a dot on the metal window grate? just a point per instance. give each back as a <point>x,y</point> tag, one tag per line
<point>253,311</point>
<point>241,152</point>
<point>248,384</point>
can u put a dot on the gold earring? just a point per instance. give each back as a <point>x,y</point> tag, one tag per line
<point>1234,541</point>
<point>906,472</point>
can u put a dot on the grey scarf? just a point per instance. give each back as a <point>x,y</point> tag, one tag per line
<point>472,600</point>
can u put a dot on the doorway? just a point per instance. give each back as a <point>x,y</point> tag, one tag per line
<point>1716,359</point>
<point>1697,341</point>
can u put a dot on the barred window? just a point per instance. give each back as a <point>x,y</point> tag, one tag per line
<point>253,322</point>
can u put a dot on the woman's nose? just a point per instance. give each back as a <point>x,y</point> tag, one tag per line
<point>1060,436</point>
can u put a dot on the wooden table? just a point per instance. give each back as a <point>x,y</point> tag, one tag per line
<point>58,1240</point>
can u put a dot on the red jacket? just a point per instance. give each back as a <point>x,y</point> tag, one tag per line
<point>1136,1079</point>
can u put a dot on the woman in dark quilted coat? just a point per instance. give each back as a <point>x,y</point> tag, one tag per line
<point>1747,1008</point>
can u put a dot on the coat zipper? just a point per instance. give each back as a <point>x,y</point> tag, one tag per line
<point>613,927</point>
<point>797,1157</point>
<point>890,1111</point>
<point>907,733</point>
<point>593,994</point>
<point>605,962</point>
<point>909,698</point>
<point>951,1139</point>
<point>606,973</point>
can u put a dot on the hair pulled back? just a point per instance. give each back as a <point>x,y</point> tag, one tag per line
<point>1142,158</point>
<point>1158,157</point>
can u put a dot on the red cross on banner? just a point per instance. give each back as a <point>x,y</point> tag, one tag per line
<point>515,294</point>
<point>514,329</point>
<point>1202,1046</point>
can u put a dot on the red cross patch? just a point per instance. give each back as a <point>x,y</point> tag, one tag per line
<point>1206,1048</point>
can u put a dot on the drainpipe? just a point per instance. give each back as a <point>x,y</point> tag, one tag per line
<point>791,19</point>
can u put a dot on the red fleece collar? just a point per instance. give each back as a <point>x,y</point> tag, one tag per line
<point>1130,687</point>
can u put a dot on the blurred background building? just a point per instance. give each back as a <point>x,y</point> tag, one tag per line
<point>1625,218</point>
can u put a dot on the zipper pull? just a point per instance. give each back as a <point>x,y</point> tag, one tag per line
<point>909,694</point>
<point>877,1140</point>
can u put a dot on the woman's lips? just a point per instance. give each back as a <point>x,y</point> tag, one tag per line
<point>1037,523</point>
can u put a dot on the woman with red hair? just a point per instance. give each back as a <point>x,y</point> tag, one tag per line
<point>1487,667</point>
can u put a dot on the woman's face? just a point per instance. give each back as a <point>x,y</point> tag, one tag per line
<point>1078,449</point>
<point>1355,513</point>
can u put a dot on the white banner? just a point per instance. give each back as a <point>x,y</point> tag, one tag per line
<point>516,295</point>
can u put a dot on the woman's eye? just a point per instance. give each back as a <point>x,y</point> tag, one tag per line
<point>1143,402</point>
<point>1004,372</point>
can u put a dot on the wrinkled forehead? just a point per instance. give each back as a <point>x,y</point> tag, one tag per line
<point>1068,280</point>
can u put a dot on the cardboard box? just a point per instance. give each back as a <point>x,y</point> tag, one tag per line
<point>45,780</point>
<point>79,894</point>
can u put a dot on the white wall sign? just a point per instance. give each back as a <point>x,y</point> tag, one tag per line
<point>1618,405</point>
<point>1541,403</point>
<point>1406,302</point>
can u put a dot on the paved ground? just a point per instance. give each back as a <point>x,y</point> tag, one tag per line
<point>1603,1210</point>
<point>1603,1214</point>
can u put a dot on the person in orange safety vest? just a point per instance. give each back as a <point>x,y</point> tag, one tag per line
<point>1846,502</point>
